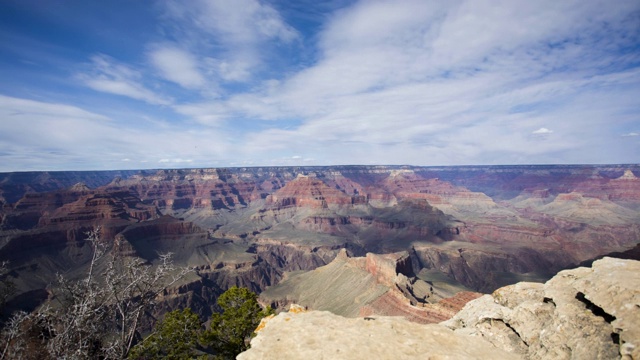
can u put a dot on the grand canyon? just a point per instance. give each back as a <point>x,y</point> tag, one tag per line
<point>476,228</point>
<point>332,179</point>
<point>359,241</point>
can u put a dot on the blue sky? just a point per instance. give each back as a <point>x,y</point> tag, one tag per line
<point>206,83</point>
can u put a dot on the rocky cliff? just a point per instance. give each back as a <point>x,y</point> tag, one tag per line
<point>367,286</point>
<point>584,313</point>
<point>323,335</point>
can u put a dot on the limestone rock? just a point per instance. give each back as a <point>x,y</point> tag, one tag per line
<point>323,335</point>
<point>584,313</point>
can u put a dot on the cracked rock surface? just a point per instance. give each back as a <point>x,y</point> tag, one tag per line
<point>323,335</point>
<point>583,313</point>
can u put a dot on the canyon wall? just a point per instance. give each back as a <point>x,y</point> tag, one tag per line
<point>464,228</point>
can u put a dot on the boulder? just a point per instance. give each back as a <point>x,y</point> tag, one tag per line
<point>583,313</point>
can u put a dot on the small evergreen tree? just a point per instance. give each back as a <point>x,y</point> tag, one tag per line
<point>175,338</point>
<point>230,332</point>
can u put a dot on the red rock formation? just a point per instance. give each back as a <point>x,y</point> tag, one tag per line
<point>625,189</point>
<point>181,190</point>
<point>98,206</point>
<point>393,303</point>
<point>308,191</point>
<point>383,289</point>
<point>385,267</point>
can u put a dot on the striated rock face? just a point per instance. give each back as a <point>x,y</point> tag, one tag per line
<point>308,191</point>
<point>584,313</point>
<point>386,267</point>
<point>50,223</point>
<point>485,268</point>
<point>373,285</point>
<point>323,335</point>
<point>13,186</point>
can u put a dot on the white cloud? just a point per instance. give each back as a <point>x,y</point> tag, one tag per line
<point>239,21</point>
<point>236,69</point>
<point>455,81</point>
<point>240,33</point>
<point>107,75</point>
<point>177,65</point>
<point>37,135</point>
<point>421,82</point>
<point>176,161</point>
<point>542,131</point>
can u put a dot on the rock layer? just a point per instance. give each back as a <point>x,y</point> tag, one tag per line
<point>369,286</point>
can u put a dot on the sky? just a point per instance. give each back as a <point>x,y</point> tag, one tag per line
<point>96,85</point>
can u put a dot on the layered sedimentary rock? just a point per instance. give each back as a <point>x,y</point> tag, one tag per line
<point>14,186</point>
<point>308,191</point>
<point>56,223</point>
<point>373,285</point>
<point>468,227</point>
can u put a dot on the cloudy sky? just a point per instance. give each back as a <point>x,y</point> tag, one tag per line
<point>209,83</point>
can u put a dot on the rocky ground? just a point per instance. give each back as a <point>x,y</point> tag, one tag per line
<point>584,313</point>
<point>323,335</point>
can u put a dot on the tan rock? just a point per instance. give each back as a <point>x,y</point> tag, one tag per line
<point>584,313</point>
<point>323,335</point>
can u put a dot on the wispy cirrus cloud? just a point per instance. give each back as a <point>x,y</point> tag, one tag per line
<point>464,81</point>
<point>108,76</point>
<point>241,31</point>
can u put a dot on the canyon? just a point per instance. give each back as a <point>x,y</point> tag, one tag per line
<point>457,230</point>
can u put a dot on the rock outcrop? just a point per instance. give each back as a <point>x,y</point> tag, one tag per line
<point>584,313</point>
<point>323,335</point>
<point>367,286</point>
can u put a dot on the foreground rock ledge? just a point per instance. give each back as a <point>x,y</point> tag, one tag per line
<point>584,313</point>
<point>323,335</point>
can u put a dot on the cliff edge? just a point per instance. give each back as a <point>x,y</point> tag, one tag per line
<point>323,335</point>
<point>583,313</point>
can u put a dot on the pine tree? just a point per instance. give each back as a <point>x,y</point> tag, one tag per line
<point>230,331</point>
<point>174,338</point>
